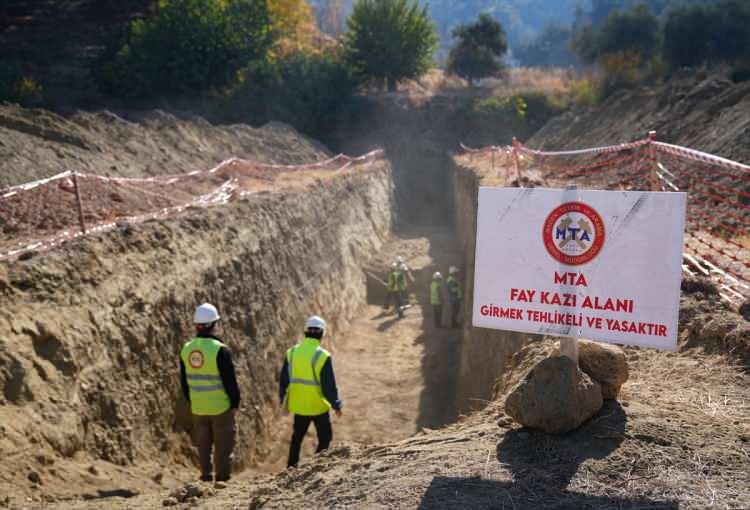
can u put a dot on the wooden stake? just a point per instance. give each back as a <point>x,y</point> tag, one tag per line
<point>79,203</point>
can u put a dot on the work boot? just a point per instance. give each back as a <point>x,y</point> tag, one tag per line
<point>207,478</point>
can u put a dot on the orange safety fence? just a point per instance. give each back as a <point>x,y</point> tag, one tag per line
<point>45,213</point>
<point>717,241</point>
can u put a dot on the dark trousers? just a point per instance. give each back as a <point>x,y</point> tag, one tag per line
<point>217,433</point>
<point>396,298</point>
<point>437,315</point>
<point>455,310</point>
<point>301,424</point>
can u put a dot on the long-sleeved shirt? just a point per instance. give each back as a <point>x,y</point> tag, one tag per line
<point>226,372</point>
<point>327,384</point>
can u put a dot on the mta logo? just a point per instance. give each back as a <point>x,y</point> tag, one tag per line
<point>578,232</point>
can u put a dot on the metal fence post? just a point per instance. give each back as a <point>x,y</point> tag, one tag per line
<point>516,162</point>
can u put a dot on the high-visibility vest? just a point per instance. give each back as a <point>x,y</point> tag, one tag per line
<point>435,298</point>
<point>454,287</point>
<point>305,362</point>
<point>396,281</point>
<point>207,394</point>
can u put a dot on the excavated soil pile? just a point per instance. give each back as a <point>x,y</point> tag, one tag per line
<point>35,144</point>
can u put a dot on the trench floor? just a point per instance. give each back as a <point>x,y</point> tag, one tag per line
<point>396,376</point>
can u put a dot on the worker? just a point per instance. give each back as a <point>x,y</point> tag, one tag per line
<point>396,289</point>
<point>455,295</point>
<point>436,299</point>
<point>308,389</point>
<point>406,270</point>
<point>210,385</point>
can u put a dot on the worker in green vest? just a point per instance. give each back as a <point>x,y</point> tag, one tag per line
<point>307,389</point>
<point>210,385</point>
<point>396,289</point>
<point>455,295</point>
<point>436,299</point>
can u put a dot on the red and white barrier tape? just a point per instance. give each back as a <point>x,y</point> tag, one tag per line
<point>593,150</point>
<point>700,156</point>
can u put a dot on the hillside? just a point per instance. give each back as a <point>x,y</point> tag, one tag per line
<point>710,114</point>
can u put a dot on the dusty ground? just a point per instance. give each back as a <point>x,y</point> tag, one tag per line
<point>678,438</point>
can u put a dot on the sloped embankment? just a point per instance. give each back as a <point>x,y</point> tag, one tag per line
<point>92,331</point>
<point>709,114</point>
<point>35,144</point>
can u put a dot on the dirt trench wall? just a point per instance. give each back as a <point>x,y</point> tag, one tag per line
<point>91,333</point>
<point>485,353</point>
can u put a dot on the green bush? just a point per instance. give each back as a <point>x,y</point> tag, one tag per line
<point>389,40</point>
<point>189,47</point>
<point>16,87</point>
<point>306,91</point>
<point>480,47</point>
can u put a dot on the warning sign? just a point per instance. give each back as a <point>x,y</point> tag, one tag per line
<point>603,265</point>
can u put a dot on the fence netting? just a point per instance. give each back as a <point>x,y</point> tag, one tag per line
<point>42,214</point>
<point>717,238</point>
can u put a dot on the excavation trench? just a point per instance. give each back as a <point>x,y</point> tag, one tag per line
<point>88,364</point>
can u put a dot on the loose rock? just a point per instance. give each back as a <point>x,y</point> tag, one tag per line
<point>555,396</point>
<point>606,364</point>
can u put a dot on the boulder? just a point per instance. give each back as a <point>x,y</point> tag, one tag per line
<point>606,364</point>
<point>555,396</point>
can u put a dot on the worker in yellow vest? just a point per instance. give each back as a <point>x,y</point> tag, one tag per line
<point>308,389</point>
<point>436,299</point>
<point>396,289</point>
<point>210,385</point>
<point>455,295</point>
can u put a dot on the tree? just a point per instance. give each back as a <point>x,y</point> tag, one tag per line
<point>550,49</point>
<point>635,32</point>
<point>480,47</point>
<point>293,23</point>
<point>389,40</point>
<point>687,36</point>
<point>189,47</point>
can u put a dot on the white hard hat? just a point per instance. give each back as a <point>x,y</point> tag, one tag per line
<point>315,322</point>
<point>453,269</point>
<point>206,314</point>
<point>437,276</point>
<point>400,259</point>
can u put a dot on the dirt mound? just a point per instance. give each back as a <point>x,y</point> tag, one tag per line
<point>35,144</point>
<point>710,114</point>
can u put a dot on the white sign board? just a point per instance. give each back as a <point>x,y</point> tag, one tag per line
<point>602,265</point>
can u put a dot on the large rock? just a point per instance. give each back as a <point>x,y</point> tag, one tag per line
<point>606,364</point>
<point>555,396</point>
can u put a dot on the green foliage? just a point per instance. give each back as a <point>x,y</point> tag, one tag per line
<point>304,90</point>
<point>389,40</point>
<point>189,47</point>
<point>586,92</point>
<point>550,49</point>
<point>707,34</point>
<point>480,47</point>
<point>15,87</point>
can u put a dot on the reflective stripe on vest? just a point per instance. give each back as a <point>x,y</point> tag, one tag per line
<point>435,298</point>
<point>304,363</point>
<point>207,394</point>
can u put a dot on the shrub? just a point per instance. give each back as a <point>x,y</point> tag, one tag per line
<point>16,87</point>
<point>303,90</point>
<point>586,92</point>
<point>189,47</point>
